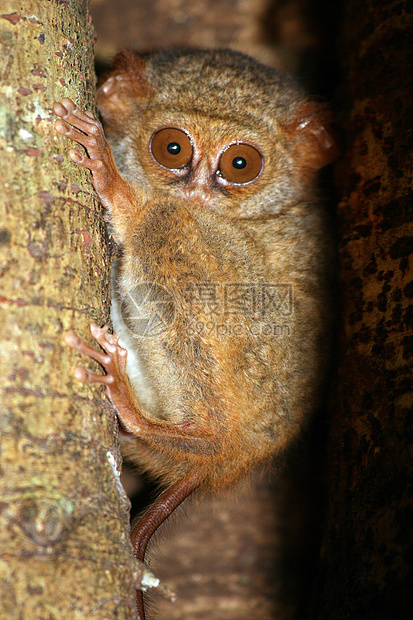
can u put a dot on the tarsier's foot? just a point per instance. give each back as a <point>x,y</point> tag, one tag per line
<point>113,361</point>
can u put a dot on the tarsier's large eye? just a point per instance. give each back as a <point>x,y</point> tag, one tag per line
<point>240,163</point>
<point>171,148</point>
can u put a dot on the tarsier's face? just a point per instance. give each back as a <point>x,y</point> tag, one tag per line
<point>206,161</point>
<point>202,175</point>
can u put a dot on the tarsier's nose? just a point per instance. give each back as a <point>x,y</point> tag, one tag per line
<point>199,187</point>
<point>198,193</point>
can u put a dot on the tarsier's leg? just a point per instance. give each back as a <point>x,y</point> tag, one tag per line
<point>117,384</point>
<point>121,394</point>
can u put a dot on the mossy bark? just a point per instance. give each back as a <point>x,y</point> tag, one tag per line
<point>64,531</point>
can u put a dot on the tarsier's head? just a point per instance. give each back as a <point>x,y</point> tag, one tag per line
<point>216,128</point>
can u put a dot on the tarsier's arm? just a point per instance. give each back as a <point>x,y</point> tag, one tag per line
<point>122,200</point>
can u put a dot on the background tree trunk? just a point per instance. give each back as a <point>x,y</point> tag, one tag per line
<point>367,555</point>
<point>64,531</point>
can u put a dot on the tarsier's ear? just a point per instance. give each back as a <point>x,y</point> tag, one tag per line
<point>124,88</point>
<point>314,141</point>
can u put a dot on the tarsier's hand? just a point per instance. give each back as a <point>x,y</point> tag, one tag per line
<point>84,129</point>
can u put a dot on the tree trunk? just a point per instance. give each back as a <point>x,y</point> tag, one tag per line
<point>64,531</point>
<point>367,549</point>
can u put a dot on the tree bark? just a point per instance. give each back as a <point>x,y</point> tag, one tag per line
<point>367,547</point>
<point>64,530</point>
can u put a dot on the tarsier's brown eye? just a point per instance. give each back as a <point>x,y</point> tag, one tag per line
<point>171,148</point>
<point>240,163</point>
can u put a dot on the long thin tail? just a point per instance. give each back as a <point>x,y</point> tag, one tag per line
<point>156,514</point>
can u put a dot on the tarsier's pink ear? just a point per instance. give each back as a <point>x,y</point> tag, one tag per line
<point>313,139</point>
<point>124,88</point>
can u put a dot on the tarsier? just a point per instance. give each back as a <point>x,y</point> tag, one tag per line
<point>221,294</point>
